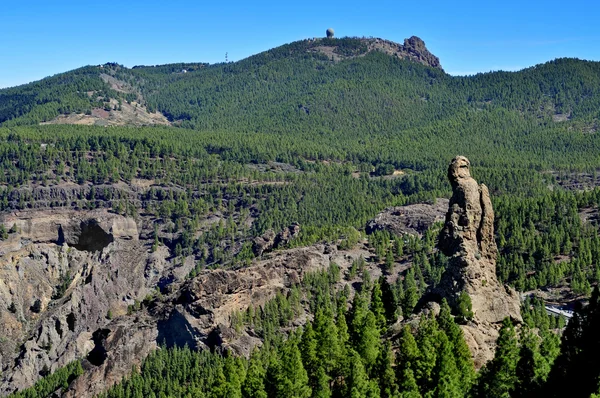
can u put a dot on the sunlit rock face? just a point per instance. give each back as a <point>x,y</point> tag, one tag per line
<point>467,238</point>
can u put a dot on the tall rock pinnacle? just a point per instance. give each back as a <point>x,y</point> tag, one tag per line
<point>467,238</point>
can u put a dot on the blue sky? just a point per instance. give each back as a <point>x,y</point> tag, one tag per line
<point>42,38</point>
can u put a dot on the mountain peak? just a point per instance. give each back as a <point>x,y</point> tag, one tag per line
<point>413,49</point>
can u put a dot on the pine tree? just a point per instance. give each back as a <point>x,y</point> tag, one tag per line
<point>407,354</point>
<point>343,334</point>
<point>428,342</point>
<point>411,294</point>
<point>328,348</point>
<point>358,382</point>
<point>357,313</point>
<point>369,341</point>
<point>233,388</point>
<point>390,300</point>
<point>377,307</point>
<point>253,385</point>
<point>293,379</point>
<point>498,378</point>
<point>385,372</point>
<point>528,382</point>
<point>321,388</point>
<point>460,349</point>
<point>389,260</point>
<point>408,385</point>
<point>447,376</point>
<point>308,348</point>
<point>344,342</point>
<point>464,308</point>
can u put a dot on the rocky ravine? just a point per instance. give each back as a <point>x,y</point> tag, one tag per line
<point>68,280</point>
<point>69,277</point>
<point>468,239</point>
<point>62,276</point>
<point>197,314</point>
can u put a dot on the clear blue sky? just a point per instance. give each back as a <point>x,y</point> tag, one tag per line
<point>41,38</point>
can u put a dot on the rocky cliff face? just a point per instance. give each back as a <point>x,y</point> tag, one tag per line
<point>71,284</point>
<point>413,49</point>
<point>468,239</point>
<point>63,275</point>
<point>197,314</point>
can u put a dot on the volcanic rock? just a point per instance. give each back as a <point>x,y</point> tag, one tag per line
<point>269,241</point>
<point>415,48</point>
<point>263,243</point>
<point>411,219</point>
<point>468,239</point>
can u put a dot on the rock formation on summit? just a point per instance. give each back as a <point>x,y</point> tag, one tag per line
<point>413,49</point>
<point>468,239</point>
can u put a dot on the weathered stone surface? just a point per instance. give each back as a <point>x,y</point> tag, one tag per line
<point>412,219</point>
<point>263,243</point>
<point>89,319</point>
<point>80,266</point>
<point>116,349</point>
<point>285,236</point>
<point>214,294</point>
<point>198,315</point>
<point>468,239</point>
<point>71,227</point>
<point>269,241</point>
<point>415,49</point>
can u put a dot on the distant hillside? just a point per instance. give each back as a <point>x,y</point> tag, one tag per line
<point>273,197</point>
<point>350,85</point>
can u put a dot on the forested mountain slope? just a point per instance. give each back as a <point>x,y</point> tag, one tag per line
<point>246,223</point>
<point>297,88</point>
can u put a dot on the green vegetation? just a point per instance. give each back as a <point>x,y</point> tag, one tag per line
<point>290,136</point>
<point>339,353</point>
<point>343,352</point>
<point>61,94</point>
<point>53,383</point>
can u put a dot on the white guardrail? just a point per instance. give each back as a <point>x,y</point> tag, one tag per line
<point>557,311</point>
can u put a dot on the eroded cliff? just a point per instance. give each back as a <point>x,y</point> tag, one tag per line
<point>467,238</point>
<point>64,274</point>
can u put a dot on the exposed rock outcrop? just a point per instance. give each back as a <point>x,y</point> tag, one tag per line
<point>63,275</point>
<point>86,230</point>
<point>413,49</point>
<point>263,243</point>
<point>269,241</point>
<point>468,239</point>
<point>411,219</point>
<point>198,315</point>
<point>71,284</point>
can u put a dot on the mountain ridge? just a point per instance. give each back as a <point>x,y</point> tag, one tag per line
<point>110,236</point>
<point>313,83</point>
